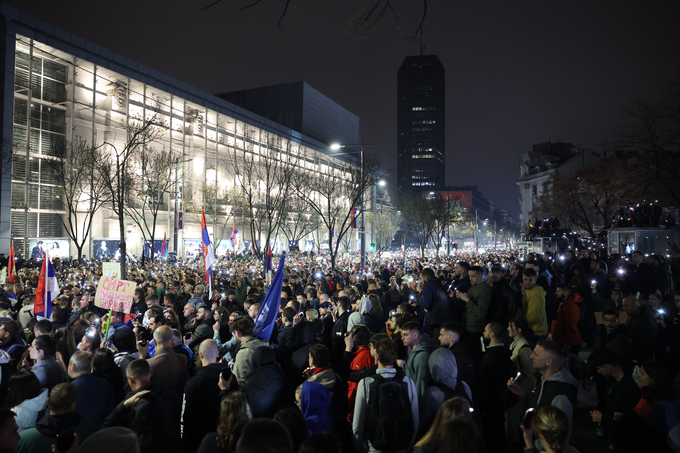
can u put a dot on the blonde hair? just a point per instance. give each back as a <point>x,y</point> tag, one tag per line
<point>451,409</point>
<point>312,314</point>
<point>553,425</point>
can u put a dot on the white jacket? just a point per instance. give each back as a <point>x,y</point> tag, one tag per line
<point>27,412</point>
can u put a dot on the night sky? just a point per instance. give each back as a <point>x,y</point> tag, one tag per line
<point>517,72</point>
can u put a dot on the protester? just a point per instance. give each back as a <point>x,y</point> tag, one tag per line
<point>25,398</point>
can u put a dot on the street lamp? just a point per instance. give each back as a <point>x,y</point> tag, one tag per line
<point>336,146</point>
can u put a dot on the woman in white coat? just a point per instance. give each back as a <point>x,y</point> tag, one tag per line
<point>26,398</point>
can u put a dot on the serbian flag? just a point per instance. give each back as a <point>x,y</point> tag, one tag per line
<point>402,247</point>
<point>269,260</point>
<point>165,244</point>
<point>266,317</point>
<point>11,266</point>
<point>234,238</point>
<point>48,290</point>
<point>208,256</point>
<point>354,219</point>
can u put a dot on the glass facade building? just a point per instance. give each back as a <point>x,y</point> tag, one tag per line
<point>59,88</point>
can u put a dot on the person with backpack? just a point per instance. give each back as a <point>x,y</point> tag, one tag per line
<point>565,329</point>
<point>386,410</point>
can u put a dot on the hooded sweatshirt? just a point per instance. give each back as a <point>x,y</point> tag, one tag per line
<point>241,291</point>
<point>444,372</point>
<point>357,317</point>
<point>315,400</point>
<point>417,367</point>
<point>533,309</point>
<point>27,411</point>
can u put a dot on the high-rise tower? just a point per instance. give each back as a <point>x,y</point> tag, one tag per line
<point>420,124</point>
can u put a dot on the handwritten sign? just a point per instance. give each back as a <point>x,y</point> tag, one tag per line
<point>114,294</point>
<point>111,270</point>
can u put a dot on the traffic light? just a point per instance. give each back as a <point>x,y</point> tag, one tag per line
<point>372,247</point>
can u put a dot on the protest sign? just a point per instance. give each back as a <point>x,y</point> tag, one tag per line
<point>114,294</point>
<point>111,270</point>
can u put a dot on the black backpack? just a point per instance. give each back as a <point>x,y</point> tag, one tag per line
<point>587,325</point>
<point>390,421</point>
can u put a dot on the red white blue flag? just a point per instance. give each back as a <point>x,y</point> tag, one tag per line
<point>48,290</point>
<point>208,255</point>
<point>269,260</point>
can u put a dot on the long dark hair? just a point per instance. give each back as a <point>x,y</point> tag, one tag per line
<point>23,385</point>
<point>663,387</point>
<point>234,416</point>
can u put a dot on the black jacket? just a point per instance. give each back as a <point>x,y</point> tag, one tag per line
<point>201,405</point>
<point>466,367</point>
<point>121,415</point>
<point>494,373</point>
<point>266,388</point>
<point>642,330</point>
<point>436,302</point>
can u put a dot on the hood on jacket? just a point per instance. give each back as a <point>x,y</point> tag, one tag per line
<point>325,378</point>
<point>536,287</point>
<point>51,425</point>
<point>574,299</point>
<point>263,356</point>
<point>253,343</point>
<point>564,375</point>
<point>355,319</point>
<point>305,332</point>
<point>645,312</point>
<point>315,401</point>
<point>443,367</point>
<point>365,305</point>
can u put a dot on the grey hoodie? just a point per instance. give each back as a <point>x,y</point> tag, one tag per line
<point>561,402</point>
<point>357,318</point>
<point>443,369</point>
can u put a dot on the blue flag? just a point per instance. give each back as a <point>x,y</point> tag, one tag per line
<point>266,317</point>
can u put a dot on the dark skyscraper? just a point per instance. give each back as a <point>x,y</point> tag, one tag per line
<point>420,128</point>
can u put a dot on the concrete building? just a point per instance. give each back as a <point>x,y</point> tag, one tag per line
<point>544,161</point>
<point>420,124</point>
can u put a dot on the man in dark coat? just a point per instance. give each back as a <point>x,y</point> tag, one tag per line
<point>266,388</point>
<point>435,302</point>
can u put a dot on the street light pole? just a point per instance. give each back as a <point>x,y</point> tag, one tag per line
<point>363,209</point>
<point>175,238</point>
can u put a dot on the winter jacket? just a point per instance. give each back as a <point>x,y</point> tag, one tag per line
<point>315,402</point>
<point>243,363</point>
<point>40,438</point>
<point>417,367</point>
<point>27,411</point>
<point>95,398</point>
<point>122,416</point>
<point>617,342</point>
<point>201,405</point>
<point>642,330</point>
<point>533,309</point>
<point>266,388</point>
<point>474,316</point>
<point>241,291</point>
<point>444,372</point>
<point>436,302</point>
<point>49,373</point>
<point>362,359</point>
<point>494,373</point>
<point>564,329</point>
<point>111,374</point>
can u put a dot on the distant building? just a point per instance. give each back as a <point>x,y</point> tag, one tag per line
<point>544,161</point>
<point>420,124</point>
<point>302,108</point>
<point>471,199</point>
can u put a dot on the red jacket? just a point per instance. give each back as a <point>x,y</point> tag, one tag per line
<point>565,328</point>
<point>362,359</point>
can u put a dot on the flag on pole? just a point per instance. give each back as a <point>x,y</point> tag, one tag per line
<point>48,290</point>
<point>443,232</point>
<point>11,265</point>
<point>165,243</point>
<point>208,256</point>
<point>402,247</point>
<point>266,317</point>
<point>268,267</point>
<point>354,219</point>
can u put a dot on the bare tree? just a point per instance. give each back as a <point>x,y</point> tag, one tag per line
<point>334,194</point>
<point>78,188</point>
<point>220,204</point>
<point>153,177</point>
<point>385,221</point>
<point>264,169</point>
<point>115,165</point>
<point>300,220</point>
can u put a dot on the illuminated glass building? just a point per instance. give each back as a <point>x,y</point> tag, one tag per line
<point>59,87</point>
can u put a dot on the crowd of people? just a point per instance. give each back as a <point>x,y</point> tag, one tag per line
<point>474,353</point>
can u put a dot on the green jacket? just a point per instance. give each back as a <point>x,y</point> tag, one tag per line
<point>417,367</point>
<point>474,317</point>
<point>242,292</point>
